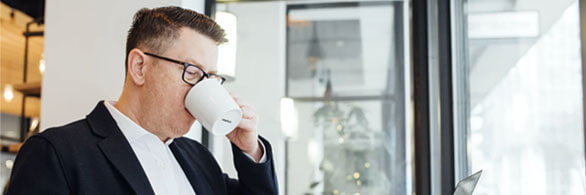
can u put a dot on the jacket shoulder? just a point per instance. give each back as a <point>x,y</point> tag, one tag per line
<point>77,131</point>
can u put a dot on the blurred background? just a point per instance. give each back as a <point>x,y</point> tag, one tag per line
<point>356,97</point>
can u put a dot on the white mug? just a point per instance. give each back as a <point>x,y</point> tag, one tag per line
<point>213,107</point>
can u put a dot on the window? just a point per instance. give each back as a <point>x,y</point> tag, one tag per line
<point>346,75</point>
<point>519,95</point>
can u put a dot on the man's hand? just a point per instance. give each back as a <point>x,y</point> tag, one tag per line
<point>245,136</point>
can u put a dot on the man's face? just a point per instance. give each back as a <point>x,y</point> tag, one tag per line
<point>165,84</point>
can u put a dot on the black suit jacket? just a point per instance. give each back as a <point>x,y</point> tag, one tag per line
<point>92,156</point>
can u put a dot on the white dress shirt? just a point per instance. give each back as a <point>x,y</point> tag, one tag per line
<point>158,162</point>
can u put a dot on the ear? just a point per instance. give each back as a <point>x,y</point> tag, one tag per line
<point>136,67</point>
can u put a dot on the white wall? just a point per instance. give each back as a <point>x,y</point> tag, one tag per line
<point>84,51</point>
<point>260,75</point>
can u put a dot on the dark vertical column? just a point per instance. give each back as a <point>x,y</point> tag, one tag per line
<point>206,137</point>
<point>210,8</point>
<point>286,165</point>
<point>446,96</point>
<point>420,54</point>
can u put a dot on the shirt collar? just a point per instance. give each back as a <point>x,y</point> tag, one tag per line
<point>129,128</point>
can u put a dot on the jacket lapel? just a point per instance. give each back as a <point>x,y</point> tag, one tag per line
<point>117,149</point>
<point>193,171</point>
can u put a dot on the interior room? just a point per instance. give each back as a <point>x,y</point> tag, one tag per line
<point>347,97</point>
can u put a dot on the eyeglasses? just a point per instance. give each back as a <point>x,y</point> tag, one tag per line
<point>192,74</point>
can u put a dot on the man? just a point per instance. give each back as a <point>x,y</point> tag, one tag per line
<point>134,145</point>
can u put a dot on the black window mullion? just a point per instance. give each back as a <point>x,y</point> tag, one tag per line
<point>446,97</point>
<point>420,60</point>
<point>206,137</point>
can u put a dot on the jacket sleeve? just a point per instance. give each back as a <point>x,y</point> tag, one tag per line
<point>253,178</point>
<point>37,170</point>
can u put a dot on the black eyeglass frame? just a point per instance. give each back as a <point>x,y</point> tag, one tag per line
<point>185,66</point>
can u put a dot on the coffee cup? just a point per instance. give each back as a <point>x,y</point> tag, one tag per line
<point>212,106</point>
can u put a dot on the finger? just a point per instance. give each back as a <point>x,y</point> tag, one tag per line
<point>237,99</point>
<point>232,134</point>
<point>247,125</point>
<point>249,112</point>
<point>241,102</point>
<point>248,109</point>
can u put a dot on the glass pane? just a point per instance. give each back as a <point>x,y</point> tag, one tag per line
<point>345,149</point>
<point>524,111</point>
<point>344,49</point>
<point>345,73</point>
